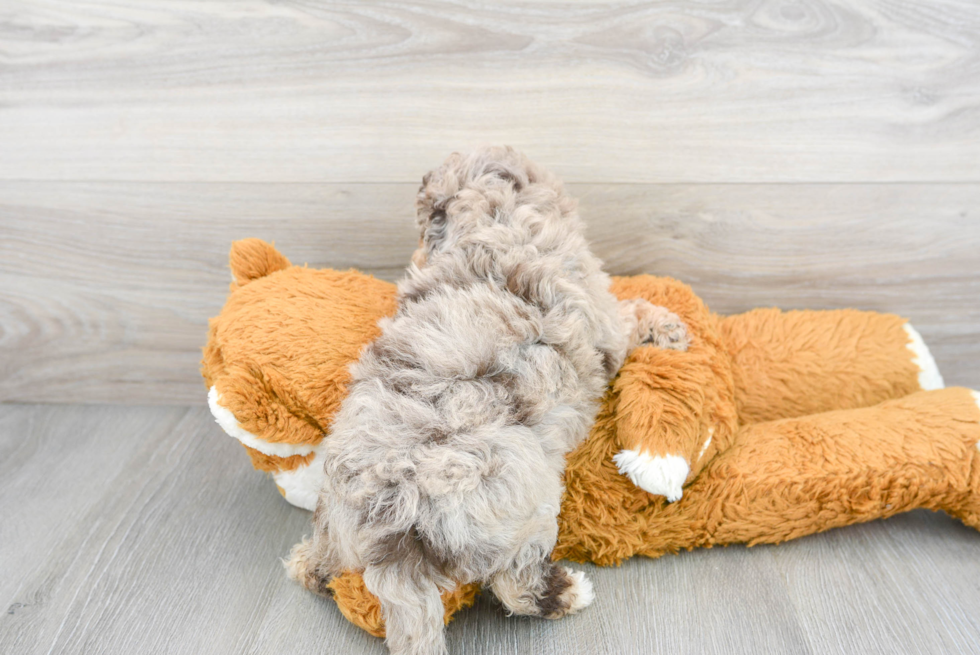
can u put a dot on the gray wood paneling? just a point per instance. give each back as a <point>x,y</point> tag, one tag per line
<point>105,288</point>
<point>670,91</point>
<point>144,530</point>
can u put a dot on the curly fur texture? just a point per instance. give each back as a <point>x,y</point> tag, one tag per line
<point>444,465</point>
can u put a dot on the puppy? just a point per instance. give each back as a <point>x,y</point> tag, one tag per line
<point>444,464</point>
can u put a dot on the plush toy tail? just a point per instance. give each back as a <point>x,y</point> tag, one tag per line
<point>251,259</point>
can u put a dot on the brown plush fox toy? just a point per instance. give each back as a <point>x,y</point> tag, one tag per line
<point>771,426</point>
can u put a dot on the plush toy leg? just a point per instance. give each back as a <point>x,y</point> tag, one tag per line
<point>659,461</point>
<point>786,479</point>
<point>789,364</point>
<point>674,405</point>
<point>660,418</point>
<point>966,505</point>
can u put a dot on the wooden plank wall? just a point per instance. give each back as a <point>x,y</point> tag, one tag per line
<point>800,153</point>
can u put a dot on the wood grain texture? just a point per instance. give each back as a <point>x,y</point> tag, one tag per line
<point>144,530</point>
<point>106,288</point>
<point>368,91</point>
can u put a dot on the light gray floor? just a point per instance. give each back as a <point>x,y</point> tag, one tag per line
<point>144,530</point>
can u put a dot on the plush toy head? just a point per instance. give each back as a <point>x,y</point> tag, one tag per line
<point>772,425</point>
<point>277,356</point>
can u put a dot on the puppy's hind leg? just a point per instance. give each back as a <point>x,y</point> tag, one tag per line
<point>311,562</point>
<point>544,589</point>
<point>303,566</point>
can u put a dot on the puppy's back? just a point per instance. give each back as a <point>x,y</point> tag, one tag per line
<point>444,464</point>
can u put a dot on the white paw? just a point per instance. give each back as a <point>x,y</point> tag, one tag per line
<point>580,595</point>
<point>929,376</point>
<point>660,476</point>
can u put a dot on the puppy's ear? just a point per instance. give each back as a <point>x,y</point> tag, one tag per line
<point>490,172</point>
<point>439,186</point>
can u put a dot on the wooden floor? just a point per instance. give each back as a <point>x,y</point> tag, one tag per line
<point>797,153</point>
<point>144,530</point>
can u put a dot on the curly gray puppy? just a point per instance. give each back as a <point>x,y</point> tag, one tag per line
<point>444,464</point>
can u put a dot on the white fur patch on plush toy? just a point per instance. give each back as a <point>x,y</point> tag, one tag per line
<point>233,428</point>
<point>929,376</point>
<point>301,486</point>
<point>660,475</point>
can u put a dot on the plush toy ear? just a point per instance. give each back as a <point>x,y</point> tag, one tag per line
<point>251,259</point>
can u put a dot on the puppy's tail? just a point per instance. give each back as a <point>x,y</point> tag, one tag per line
<point>406,583</point>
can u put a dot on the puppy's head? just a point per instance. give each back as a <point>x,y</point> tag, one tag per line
<point>468,188</point>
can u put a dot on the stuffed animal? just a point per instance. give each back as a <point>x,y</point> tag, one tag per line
<point>772,425</point>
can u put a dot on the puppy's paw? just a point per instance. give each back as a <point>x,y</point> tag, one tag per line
<point>580,594</point>
<point>297,563</point>
<point>668,331</point>
<point>301,568</point>
<point>653,325</point>
<point>575,593</point>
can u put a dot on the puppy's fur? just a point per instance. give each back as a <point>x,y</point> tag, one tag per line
<point>444,464</point>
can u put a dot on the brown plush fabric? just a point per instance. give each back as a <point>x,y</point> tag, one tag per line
<point>794,422</point>
<point>251,259</point>
<point>783,479</point>
<point>271,463</point>
<point>788,364</point>
<point>363,610</point>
